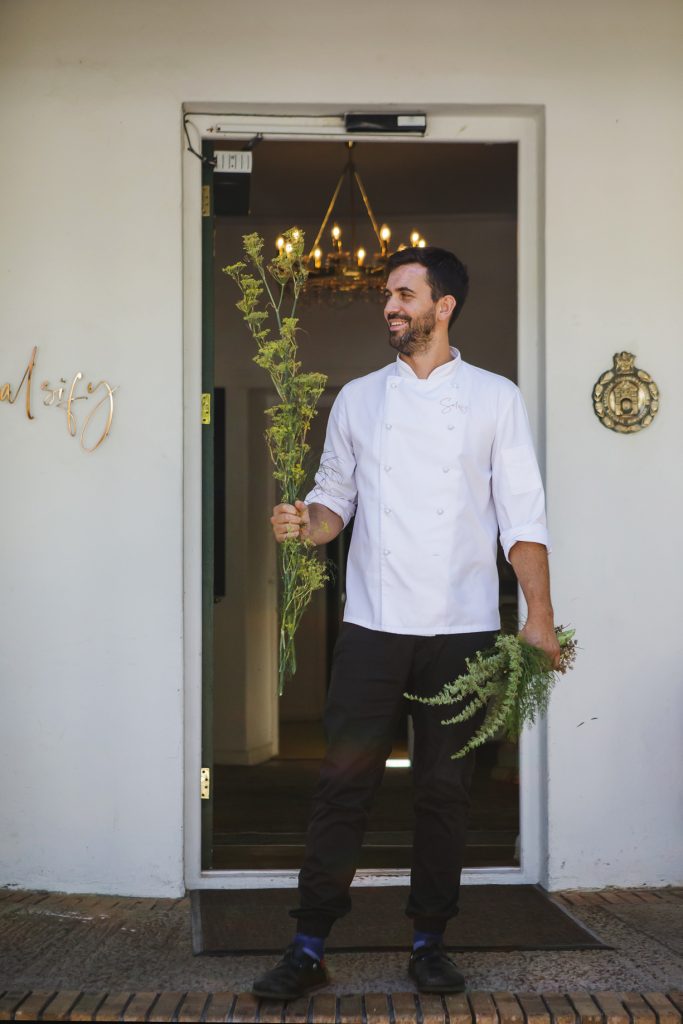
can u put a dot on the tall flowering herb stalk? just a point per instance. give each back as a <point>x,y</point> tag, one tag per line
<point>266,287</point>
<point>512,681</point>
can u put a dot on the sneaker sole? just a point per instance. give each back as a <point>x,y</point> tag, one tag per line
<point>441,989</point>
<point>438,988</point>
<point>263,993</point>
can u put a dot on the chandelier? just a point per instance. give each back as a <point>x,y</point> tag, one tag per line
<point>343,273</point>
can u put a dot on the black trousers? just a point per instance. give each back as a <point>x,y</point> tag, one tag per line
<point>371,670</point>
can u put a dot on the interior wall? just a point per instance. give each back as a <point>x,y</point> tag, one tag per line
<point>350,341</point>
<point>91,660</point>
<point>343,343</point>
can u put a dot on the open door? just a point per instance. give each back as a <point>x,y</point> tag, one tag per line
<point>208,526</point>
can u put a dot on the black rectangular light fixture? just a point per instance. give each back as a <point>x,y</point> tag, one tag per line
<point>231,182</point>
<point>391,124</point>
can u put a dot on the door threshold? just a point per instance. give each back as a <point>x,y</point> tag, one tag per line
<point>285,879</point>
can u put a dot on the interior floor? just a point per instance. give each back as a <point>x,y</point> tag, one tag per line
<point>261,811</point>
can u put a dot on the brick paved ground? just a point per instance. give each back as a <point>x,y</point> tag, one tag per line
<point>103,958</point>
<point>372,1008</point>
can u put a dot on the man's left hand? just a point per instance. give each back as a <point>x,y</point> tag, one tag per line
<point>542,634</point>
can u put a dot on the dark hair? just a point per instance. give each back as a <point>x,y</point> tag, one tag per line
<point>446,275</point>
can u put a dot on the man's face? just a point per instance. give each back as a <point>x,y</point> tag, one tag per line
<point>409,310</point>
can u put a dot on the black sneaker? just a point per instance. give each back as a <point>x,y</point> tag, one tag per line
<point>433,971</point>
<point>296,974</point>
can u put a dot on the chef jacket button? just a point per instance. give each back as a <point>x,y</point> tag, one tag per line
<point>388,426</point>
<point>387,551</point>
<point>451,426</point>
<point>439,511</point>
<point>386,510</point>
<point>387,468</point>
<point>394,385</point>
<point>446,469</point>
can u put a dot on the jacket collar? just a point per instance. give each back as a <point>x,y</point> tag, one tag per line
<point>441,373</point>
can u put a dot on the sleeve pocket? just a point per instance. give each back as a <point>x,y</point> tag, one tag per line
<point>521,469</point>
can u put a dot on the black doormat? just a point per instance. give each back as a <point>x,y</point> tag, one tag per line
<point>492,917</point>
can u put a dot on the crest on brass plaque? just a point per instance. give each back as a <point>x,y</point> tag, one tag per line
<point>625,398</point>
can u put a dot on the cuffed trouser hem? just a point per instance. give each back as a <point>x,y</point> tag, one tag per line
<point>315,924</point>
<point>430,924</point>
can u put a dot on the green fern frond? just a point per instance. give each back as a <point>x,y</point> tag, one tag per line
<point>512,680</point>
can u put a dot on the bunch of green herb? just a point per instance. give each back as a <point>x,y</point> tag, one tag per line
<point>512,681</point>
<point>266,287</point>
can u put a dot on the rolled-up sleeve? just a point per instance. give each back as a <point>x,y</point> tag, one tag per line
<point>516,482</point>
<point>335,481</point>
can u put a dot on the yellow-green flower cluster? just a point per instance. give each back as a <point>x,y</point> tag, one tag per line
<point>302,571</point>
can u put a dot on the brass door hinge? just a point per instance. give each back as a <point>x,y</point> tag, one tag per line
<point>206,407</point>
<point>205,783</point>
<point>206,200</point>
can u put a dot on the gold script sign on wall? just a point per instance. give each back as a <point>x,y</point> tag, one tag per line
<point>65,396</point>
<point>625,398</point>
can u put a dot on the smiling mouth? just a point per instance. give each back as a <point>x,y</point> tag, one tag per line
<point>396,324</point>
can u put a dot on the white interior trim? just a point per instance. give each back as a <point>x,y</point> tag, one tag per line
<point>275,879</point>
<point>523,125</point>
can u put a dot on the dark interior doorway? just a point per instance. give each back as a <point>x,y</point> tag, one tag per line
<point>461,196</point>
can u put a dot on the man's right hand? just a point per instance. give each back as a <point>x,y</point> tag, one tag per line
<point>291,521</point>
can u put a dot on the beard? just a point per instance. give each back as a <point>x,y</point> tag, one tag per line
<point>416,337</point>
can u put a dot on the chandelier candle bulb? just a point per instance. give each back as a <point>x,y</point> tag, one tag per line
<point>340,274</point>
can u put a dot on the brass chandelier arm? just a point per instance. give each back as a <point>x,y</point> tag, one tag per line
<point>330,208</point>
<point>368,208</point>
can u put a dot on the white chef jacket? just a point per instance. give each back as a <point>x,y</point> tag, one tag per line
<point>433,470</point>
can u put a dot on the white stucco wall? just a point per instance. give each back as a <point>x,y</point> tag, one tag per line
<point>90,216</point>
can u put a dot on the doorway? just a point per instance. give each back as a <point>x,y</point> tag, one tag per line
<point>521,132</point>
<point>462,197</point>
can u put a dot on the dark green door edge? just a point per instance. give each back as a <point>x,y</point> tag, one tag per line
<point>207,501</point>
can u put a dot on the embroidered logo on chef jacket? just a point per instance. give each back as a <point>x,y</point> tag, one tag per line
<point>453,405</point>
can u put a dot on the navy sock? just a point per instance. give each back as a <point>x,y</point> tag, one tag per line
<point>313,945</point>
<point>426,938</point>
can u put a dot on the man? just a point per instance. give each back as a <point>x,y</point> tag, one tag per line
<point>434,458</point>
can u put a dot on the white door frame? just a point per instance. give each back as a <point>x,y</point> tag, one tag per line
<point>523,125</point>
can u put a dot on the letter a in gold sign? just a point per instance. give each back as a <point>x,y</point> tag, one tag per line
<point>625,398</point>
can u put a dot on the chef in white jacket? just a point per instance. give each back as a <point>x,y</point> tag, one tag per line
<point>434,458</point>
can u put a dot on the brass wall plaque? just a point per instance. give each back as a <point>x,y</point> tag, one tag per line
<point>625,398</point>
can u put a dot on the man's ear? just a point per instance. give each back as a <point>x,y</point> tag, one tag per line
<point>445,306</point>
